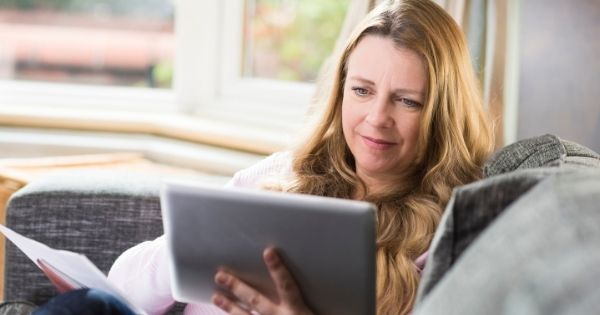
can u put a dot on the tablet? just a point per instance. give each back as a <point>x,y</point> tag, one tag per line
<point>328,244</point>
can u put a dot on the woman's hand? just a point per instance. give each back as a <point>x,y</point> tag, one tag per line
<point>290,298</point>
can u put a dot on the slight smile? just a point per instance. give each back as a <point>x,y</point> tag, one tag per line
<point>377,144</point>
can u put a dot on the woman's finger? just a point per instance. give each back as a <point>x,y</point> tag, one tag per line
<point>245,293</point>
<point>287,289</point>
<point>228,306</point>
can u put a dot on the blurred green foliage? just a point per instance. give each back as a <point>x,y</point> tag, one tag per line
<point>298,34</point>
<point>162,74</point>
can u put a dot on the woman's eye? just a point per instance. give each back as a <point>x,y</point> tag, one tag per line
<point>410,103</point>
<point>360,91</point>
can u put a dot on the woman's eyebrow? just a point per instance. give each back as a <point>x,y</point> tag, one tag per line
<point>400,91</point>
<point>408,91</point>
<point>357,78</point>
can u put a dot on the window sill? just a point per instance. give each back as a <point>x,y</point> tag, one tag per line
<point>235,123</point>
<point>203,130</point>
<point>38,143</point>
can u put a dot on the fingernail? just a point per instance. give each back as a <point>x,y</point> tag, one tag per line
<point>221,278</point>
<point>271,258</point>
<point>218,300</point>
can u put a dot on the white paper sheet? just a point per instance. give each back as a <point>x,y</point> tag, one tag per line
<point>76,267</point>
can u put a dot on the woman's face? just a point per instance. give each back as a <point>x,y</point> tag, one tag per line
<point>383,95</point>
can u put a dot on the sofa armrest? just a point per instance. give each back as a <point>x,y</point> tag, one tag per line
<point>543,151</point>
<point>96,213</point>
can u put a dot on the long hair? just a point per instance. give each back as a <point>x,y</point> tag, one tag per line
<point>454,140</point>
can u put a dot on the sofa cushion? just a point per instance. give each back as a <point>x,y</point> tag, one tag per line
<point>538,256</point>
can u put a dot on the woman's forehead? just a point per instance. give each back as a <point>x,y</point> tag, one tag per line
<point>379,60</point>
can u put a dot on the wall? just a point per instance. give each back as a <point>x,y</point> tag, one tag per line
<point>559,81</point>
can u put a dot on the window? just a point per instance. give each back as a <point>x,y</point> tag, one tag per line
<point>271,52</point>
<point>116,42</point>
<point>214,50</point>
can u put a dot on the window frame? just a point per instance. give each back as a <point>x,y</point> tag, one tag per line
<point>205,86</point>
<point>218,70</point>
<point>234,85</point>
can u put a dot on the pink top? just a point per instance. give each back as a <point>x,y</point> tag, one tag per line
<point>142,271</point>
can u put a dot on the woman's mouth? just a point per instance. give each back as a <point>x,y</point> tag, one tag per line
<point>378,144</point>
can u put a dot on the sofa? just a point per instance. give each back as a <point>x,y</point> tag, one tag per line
<point>498,238</point>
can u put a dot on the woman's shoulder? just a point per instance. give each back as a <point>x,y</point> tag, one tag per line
<point>277,166</point>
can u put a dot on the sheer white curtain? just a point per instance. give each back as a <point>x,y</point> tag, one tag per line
<point>485,22</point>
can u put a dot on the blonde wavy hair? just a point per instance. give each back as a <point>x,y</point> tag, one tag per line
<point>454,140</point>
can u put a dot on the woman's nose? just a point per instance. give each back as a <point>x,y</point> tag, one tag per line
<point>379,114</point>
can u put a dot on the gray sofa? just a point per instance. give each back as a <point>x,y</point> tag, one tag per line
<point>101,214</point>
<point>97,213</point>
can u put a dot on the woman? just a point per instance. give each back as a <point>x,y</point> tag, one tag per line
<point>403,124</point>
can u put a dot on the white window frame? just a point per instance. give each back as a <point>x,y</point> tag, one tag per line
<point>207,86</point>
<point>213,61</point>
